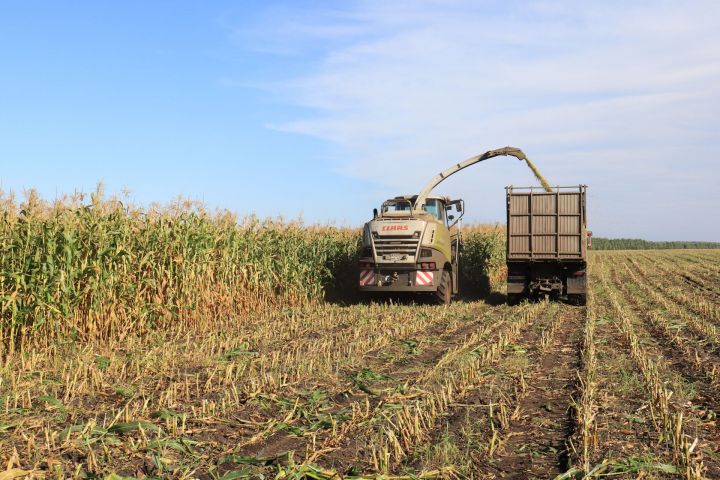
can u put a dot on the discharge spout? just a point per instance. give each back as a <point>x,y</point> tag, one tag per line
<point>440,177</point>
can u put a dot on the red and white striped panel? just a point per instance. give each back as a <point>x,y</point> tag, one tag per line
<point>367,277</point>
<point>423,278</point>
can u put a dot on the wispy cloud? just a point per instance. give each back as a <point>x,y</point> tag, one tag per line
<point>620,95</point>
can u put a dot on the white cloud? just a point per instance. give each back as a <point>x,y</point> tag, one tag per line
<point>622,96</point>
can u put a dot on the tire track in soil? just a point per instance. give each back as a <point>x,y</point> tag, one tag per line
<point>698,260</point>
<point>355,450</point>
<point>642,304</point>
<point>698,281</point>
<point>400,370</point>
<point>623,426</point>
<point>482,395</point>
<point>675,357</point>
<point>536,444</point>
<point>706,396</point>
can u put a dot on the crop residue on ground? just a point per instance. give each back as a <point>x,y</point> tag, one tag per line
<point>625,386</point>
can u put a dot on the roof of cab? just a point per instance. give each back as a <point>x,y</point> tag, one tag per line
<point>412,198</point>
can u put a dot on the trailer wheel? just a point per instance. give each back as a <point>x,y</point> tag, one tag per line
<point>443,295</point>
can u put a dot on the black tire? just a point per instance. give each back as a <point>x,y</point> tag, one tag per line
<point>579,299</point>
<point>443,295</point>
<point>514,298</point>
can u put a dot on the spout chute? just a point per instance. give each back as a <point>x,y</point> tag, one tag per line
<point>505,151</point>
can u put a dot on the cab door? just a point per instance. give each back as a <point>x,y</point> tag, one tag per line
<point>454,212</point>
<point>455,252</point>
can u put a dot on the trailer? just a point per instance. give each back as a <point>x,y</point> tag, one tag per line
<point>547,242</point>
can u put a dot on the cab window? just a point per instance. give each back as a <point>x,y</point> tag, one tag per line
<point>435,208</point>
<point>399,206</point>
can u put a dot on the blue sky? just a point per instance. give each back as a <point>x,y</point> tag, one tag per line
<point>322,109</point>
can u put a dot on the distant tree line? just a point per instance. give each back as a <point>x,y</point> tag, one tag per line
<point>599,243</point>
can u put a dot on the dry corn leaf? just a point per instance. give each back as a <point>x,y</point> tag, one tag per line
<point>14,473</point>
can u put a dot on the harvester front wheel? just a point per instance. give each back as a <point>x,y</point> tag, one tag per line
<point>444,291</point>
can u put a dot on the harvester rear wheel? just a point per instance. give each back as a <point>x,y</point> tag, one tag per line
<point>578,299</point>
<point>514,298</point>
<point>443,294</point>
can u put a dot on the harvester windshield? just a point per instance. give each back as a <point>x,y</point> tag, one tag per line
<point>397,205</point>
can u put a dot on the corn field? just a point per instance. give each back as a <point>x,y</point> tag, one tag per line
<point>103,270</point>
<point>181,343</point>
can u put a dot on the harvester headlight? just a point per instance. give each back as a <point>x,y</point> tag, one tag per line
<point>425,252</point>
<point>416,234</point>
